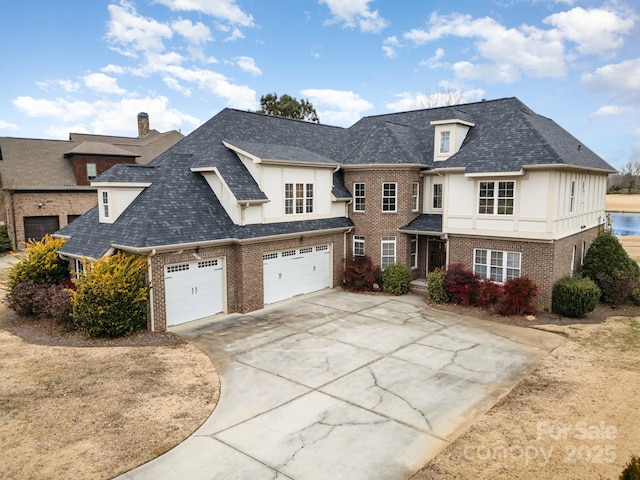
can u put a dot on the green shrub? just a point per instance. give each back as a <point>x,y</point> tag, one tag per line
<point>435,286</point>
<point>111,296</point>
<point>617,288</point>
<point>604,257</point>
<point>518,296</point>
<point>5,241</point>
<point>40,263</point>
<point>396,279</point>
<point>574,296</point>
<point>461,284</point>
<point>361,275</point>
<point>631,470</point>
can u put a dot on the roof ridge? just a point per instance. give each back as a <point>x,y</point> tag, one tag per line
<point>536,132</point>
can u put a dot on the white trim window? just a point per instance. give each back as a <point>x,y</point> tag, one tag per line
<point>298,198</point>
<point>496,198</point>
<point>415,196</point>
<point>358,246</point>
<point>389,196</point>
<point>572,197</point>
<point>104,201</point>
<point>437,196</point>
<point>387,252</point>
<point>445,141</point>
<point>496,265</point>
<point>92,171</point>
<point>414,251</point>
<point>358,197</point>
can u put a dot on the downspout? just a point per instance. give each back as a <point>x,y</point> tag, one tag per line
<point>152,320</point>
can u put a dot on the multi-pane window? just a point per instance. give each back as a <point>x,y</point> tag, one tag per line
<point>496,198</point>
<point>389,191</point>
<point>415,196</point>
<point>358,197</point>
<point>358,245</point>
<point>414,251</point>
<point>437,195</point>
<point>496,265</point>
<point>388,252</point>
<point>298,198</point>
<point>445,138</point>
<point>92,171</point>
<point>572,198</point>
<point>105,204</point>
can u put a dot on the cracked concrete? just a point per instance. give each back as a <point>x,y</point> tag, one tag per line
<point>340,385</point>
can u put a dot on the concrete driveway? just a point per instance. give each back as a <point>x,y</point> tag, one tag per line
<point>338,385</point>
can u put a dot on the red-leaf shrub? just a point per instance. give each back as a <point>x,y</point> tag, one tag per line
<point>53,302</point>
<point>20,298</point>
<point>361,275</point>
<point>461,284</point>
<point>518,297</point>
<point>489,293</point>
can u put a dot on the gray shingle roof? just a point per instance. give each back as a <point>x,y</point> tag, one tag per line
<point>179,207</point>
<point>425,223</point>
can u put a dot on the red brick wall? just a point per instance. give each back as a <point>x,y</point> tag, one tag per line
<point>543,262</point>
<point>35,204</point>
<point>244,275</point>
<point>103,164</point>
<point>374,224</point>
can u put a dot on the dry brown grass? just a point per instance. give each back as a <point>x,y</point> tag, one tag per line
<point>96,412</point>
<point>623,203</point>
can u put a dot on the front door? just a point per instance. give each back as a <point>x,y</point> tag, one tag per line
<point>437,257</point>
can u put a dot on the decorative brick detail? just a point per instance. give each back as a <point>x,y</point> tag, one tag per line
<point>244,276</point>
<point>544,262</point>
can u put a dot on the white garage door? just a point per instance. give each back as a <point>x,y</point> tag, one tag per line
<point>193,290</point>
<point>296,271</point>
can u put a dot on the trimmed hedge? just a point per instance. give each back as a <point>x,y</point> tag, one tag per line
<point>111,296</point>
<point>435,286</point>
<point>396,279</point>
<point>574,296</point>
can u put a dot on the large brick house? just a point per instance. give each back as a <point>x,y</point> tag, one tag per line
<point>47,183</point>
<point>252,209</point>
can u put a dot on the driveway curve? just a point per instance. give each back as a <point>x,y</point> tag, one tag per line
<point>344,386</point>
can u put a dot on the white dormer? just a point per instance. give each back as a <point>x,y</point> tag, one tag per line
<point>448,137</point>
<point>114,198</point>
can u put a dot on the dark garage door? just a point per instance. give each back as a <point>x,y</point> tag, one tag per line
<point>37,227</point>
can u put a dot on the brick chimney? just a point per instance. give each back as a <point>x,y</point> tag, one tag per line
<point>143,124</point>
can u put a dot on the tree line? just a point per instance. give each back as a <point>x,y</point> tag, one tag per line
<point>627,180</point>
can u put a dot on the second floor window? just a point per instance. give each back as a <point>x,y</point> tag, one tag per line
<point>389,191</point>
<point>496,198</point>
<point>298,198</point>
<point>105,204</point>
<point>437,195</point>
<point>358,197</point>
<point>415,196</point>
<point>92,171</point>
<point>445,137</point>
<point>572,198</point>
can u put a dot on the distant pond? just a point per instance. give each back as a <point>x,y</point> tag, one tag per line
<point>625,223</point>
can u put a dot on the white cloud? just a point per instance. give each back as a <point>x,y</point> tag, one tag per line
<point>194,33</point>
<point>509,52</point>
<point>115,69</point>
<point>248,64</point>
<point>619,80</point>
<point>99,82</point>
<point>130,33</point>
<point>595,31</point>
<point>105,116</point>
<point>390,46</point>
<point>356,13</point>
<point>611,110</point>
<point>4,125</point>
<point>343,107</point>
<point>434,61</point>
<point>418,100</point>
<point>225,10</point>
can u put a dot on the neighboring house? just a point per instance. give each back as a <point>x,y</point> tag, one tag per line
<point>252,209</point>
<point>47,183</point>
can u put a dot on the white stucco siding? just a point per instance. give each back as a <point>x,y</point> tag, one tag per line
<point>274,179</point>
<point>225,197</point>
<point>119,198</point>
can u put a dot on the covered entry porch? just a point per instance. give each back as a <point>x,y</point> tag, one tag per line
<point>427,228</point>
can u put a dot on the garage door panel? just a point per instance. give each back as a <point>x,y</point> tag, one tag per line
<point>194,290</point>
<point>295,272</point>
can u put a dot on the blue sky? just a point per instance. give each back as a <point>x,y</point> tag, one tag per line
<point>91,66</point>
